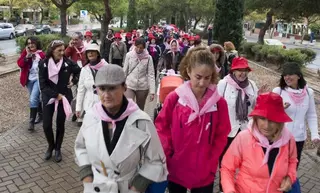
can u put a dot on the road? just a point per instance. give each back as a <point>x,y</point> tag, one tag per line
<point>314,65</point>
<point>8,47</point>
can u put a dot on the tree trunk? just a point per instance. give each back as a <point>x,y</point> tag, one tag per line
<point>196,22</point>
<point>272,31</point>
<point>107,17</point>
<point>305,31</point>
<point>152,19</point>
<point>63,19</point>
<point>10,8</point>
<point>265,27</point>
<point>121,21</point>
<point>42,13</point>
<point>131,17</point>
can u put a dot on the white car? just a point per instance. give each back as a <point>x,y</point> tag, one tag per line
<point>274,42</point>
<point>6,30</point>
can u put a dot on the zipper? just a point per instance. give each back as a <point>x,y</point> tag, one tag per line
<point>273,168</point>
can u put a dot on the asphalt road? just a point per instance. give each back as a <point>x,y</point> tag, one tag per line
<point>314,65</point>
<point>8,47</point>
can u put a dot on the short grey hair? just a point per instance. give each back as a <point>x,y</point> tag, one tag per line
<point>77,35</point>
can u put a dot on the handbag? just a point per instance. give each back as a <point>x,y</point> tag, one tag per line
<point>295,187</point>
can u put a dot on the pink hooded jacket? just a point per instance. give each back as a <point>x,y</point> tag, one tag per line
<point>193,144</point>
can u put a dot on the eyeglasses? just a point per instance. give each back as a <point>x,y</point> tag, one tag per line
<point>56,42</point>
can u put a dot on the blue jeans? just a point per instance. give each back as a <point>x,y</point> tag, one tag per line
<point>34,93</point>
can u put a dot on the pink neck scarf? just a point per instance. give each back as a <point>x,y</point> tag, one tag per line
<point>132,107</point>
<point>297,97</point>
<point>82,49</point>
<point>264,142</point>
<point>143,55</point>
<point>234,84</point>
<point>37,55</point>
<point>53,70</point>
<point>99,65</point>
<point>208,104</point>
<point>66,106</point>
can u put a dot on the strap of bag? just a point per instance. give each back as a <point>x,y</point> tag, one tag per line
<point>136,67</point>
<point>94,73</point>
<point>119,51</point>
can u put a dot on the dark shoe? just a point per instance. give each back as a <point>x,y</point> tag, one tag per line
<point>48,154</point>
<point>58,156</point>
<point>74,118</point>
<point>39,115</point>
<point>33,114</point>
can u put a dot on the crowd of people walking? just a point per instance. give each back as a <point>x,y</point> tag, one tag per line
<point>217,120</point>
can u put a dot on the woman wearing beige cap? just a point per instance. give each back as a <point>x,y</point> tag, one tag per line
<point>117,148</point>
<point>86,97</point>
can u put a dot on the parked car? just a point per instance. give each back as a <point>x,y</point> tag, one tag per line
<point>274,42</point>
<point>25,29</point>
<point>57,29</point>
<point>6,30</point>
<point>43,29</point>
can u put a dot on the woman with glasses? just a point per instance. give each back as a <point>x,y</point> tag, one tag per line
<point>28,62</point>
<point>117,148</point>
<point>54,77</point>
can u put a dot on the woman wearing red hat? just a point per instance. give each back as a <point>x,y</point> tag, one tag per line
<point>155,51</point>
<point>87,38</point>
<point>128,41</point>
<point>264,156</point>
<point>220,57</point>
<point>299,105</point>
<point>190,45</point>
<point>118,50</point>
<point>240,94</point>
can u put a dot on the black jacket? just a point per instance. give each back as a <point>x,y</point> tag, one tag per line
<point>105,48</point>
<point>168,61</point>
<point>51,90</point>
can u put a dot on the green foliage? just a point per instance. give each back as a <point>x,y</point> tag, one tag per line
<point>74,21</point>
<point>202,34</point>
<point>131,16</point>
<point>45,40</point>
<point>228,22</point>
<point>277,55</point>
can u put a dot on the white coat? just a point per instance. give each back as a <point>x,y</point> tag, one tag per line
<point>90,149</point>
<point>85,95</point>
<point>140,74</point>
<point>230,94</point>
<point>300,114</point>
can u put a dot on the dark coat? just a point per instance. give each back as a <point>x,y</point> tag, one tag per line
<point>51,90</point>
<point>105,48</point>
<point>167,62</point>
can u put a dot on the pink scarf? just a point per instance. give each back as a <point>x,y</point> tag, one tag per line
<point>234,84</point>
<point>297,97</point>
<point>37,55</point>
<point>53,70</point>
<point>132,107</point>
<point>82,49</point>
<point>143,55</point>
<point>99,65</point>
<point>66,106</point>
<point>186,95</point>
<point>264,142</point>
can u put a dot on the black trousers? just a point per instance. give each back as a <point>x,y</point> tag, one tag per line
<point>48,111</point>
<point>176,188</point>
<point>117,61</point>
<point>299,145</point>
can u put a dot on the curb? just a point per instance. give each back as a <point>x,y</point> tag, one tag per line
<point>5,73</point>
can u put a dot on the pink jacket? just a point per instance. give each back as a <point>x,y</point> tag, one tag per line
<point>247,156</point>
<point>192,152</point>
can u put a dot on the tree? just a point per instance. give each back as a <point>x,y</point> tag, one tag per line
<point>131,16</point>
<point>228,22</point>
<point>63,5</point>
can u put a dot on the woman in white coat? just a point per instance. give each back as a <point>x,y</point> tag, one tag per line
<point>86,97</point>
<point>240,94</point>
<point>299,104</point>
<point>139,70</point>
<point>117,148</point>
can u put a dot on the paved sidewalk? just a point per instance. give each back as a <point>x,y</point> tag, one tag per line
<point>22,168</point>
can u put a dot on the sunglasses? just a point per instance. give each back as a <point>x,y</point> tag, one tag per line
<point>54,42</point>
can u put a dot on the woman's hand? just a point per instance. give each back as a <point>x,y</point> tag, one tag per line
<point>151,97</point>
<point>60,97</point>
<point>71,43</point>
<point>29,54</point>
<point>87,179</point>
<point>285,184</point>
<point>286,105</point>
<point>78,114</point>
<point>133,189</point>
<point>316,141</point>
<point>265,88</point>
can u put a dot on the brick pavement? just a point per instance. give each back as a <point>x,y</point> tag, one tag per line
<point>22,168</point>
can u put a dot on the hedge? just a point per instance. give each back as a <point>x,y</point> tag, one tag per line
<point>45,40</point>
<point>277,55</point>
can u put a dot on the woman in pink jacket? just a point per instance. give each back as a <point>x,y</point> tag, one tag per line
<point>193,125</point>
<point>265,154</point>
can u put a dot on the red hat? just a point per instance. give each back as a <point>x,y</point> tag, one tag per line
<point>216,49</point>
<point>240,63</point>
<point>117,36</point>
<point>121,31</point>
<point>270,106</point>
<point>88,33</point>
<point>128,34</point>
<point>191,38</point>
<point>134,30</point>
<point>185,36</point>
<point>151,37</point>
<point>197,37</point>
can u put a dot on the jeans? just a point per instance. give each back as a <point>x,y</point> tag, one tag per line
<point>34,93</point>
